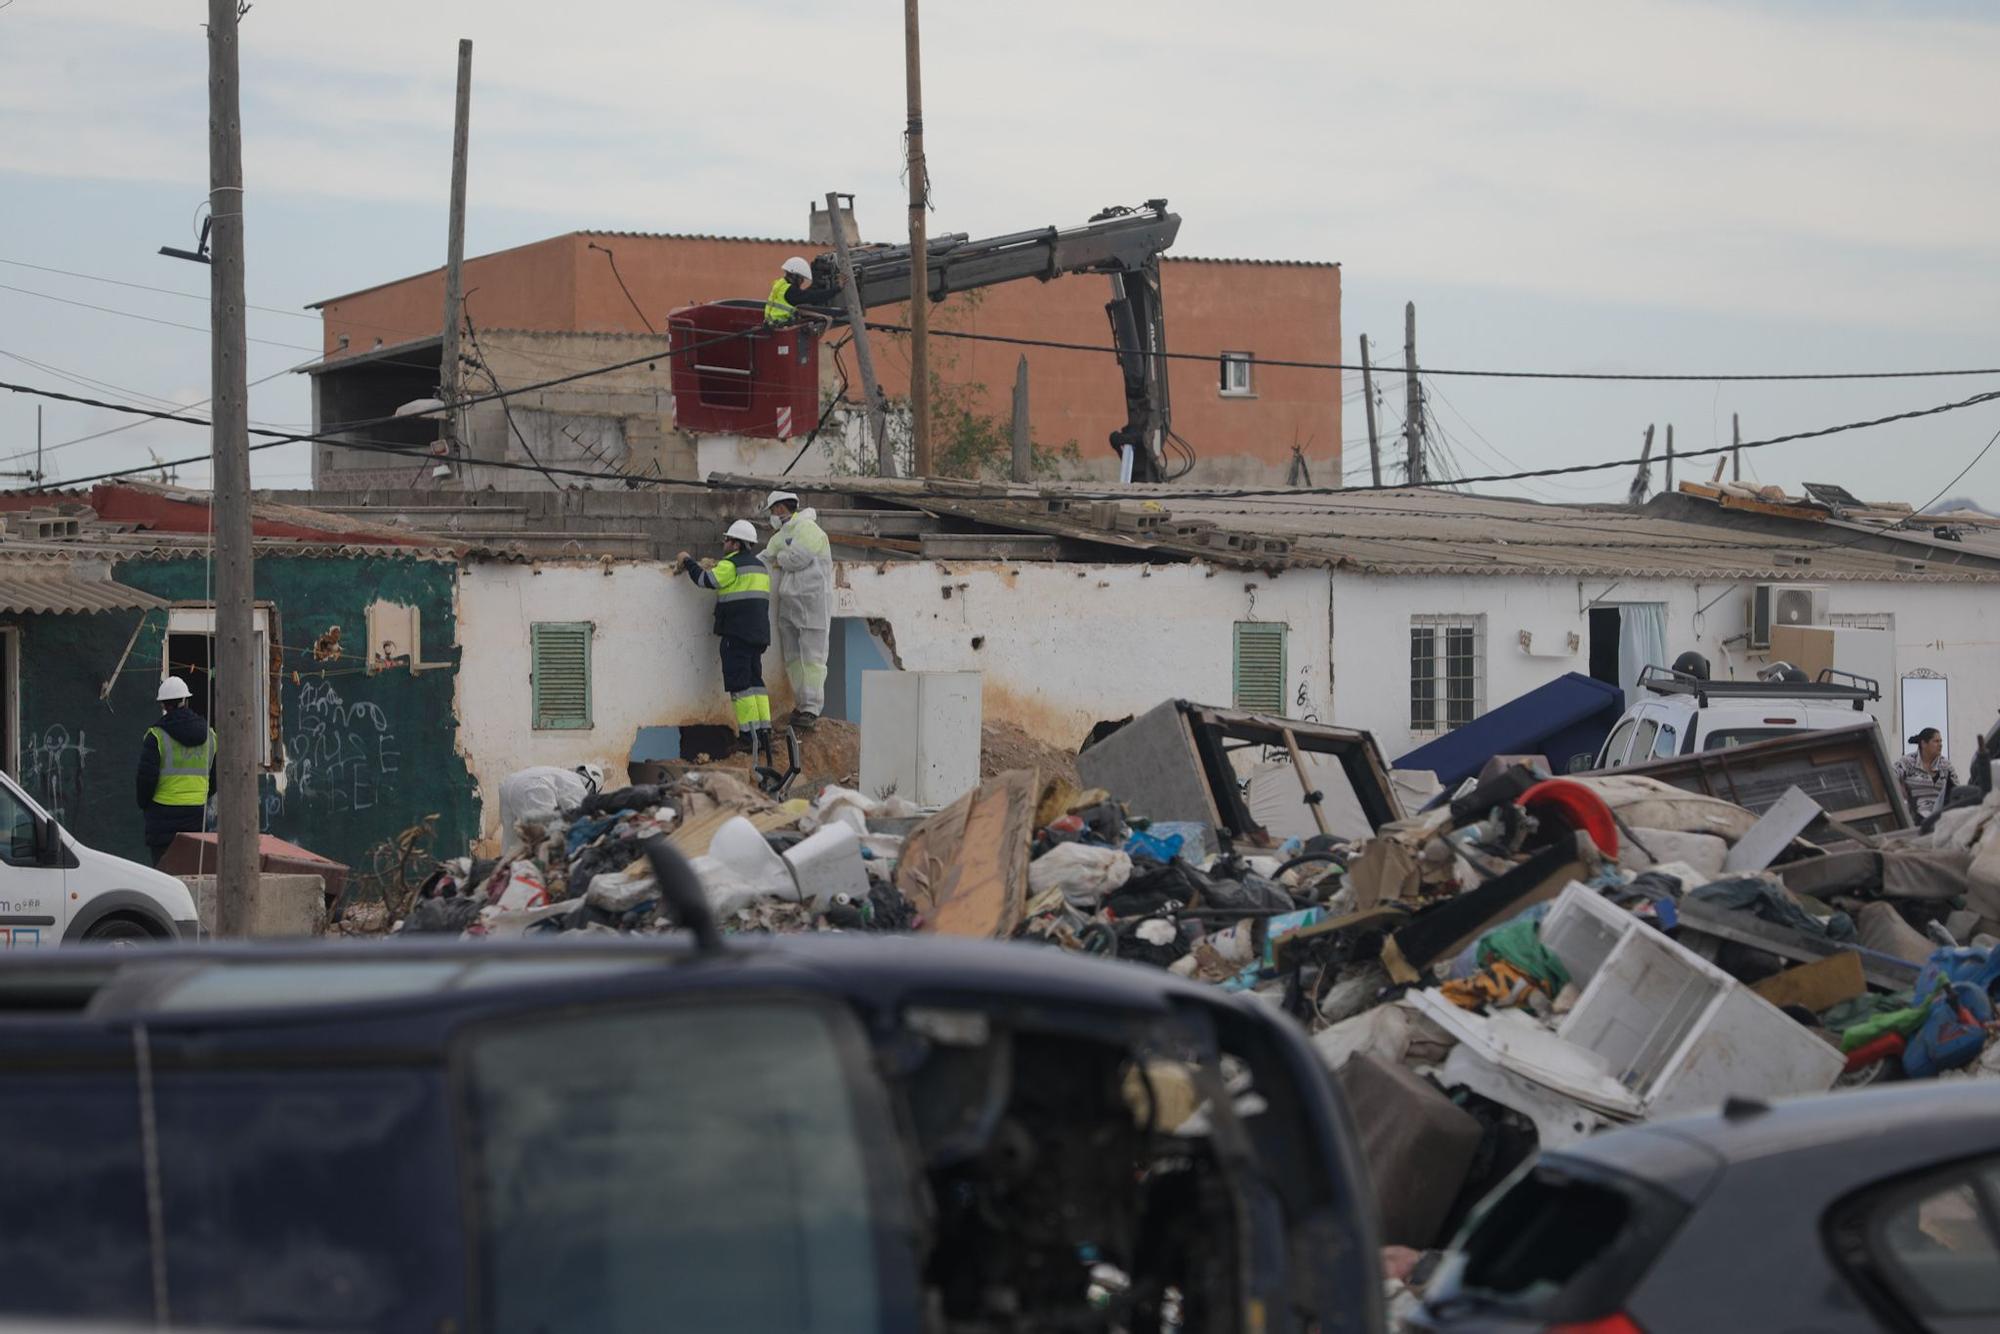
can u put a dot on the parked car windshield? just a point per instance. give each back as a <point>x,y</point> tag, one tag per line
<point>693,1167</point>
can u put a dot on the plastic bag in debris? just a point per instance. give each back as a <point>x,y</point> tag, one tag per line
<point>844,805</point>
<point>1397,1033</point>
<point>538,795</point>
<point>1084,874</point>
<point>1148,847</point>
<point>1251,892</point>
<point>519,886</point>
<point>621,891</point>
<point>726,890</point>
<point>443,914</point>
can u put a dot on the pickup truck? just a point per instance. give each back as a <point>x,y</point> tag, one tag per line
<point>769,1134</point>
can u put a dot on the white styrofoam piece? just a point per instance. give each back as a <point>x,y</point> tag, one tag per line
<point>828,862</point>
<point>1521,1045</point>
<point>1558,1120</point>
<point>1685,1036</point>
<point>920,735</point>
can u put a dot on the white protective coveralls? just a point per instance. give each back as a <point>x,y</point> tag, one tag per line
<point>802,561</point>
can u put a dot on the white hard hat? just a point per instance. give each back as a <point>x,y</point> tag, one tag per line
<point>171,689</point>
<point>742,530</point>
<point>777,496</point>
<point>594,774</point>
<point>796,264</point>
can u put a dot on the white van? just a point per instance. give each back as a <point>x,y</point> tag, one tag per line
<point>54,890</point>
<point>1682,711</point>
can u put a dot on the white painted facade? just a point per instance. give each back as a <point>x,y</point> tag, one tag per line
<point>1062,646</point>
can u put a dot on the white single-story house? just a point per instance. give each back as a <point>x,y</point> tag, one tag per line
<point>1405,613</point>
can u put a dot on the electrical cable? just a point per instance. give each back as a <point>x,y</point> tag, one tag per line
<point>623,288</point>
<point>1015,341</point>
<point>507,411</point>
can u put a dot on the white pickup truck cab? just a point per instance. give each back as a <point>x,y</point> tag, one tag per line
<point>1680,712</point>
<point>54,890</point>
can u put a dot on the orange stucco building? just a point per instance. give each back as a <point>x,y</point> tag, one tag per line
<point>566,285</point>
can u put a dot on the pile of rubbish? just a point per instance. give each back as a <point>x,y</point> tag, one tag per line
<point>1522,963</point>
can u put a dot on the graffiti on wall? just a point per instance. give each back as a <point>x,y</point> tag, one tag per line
<point>52,768</point>
<point>340,757</point>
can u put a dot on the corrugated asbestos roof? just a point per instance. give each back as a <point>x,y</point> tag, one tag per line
<point>25,588</point>
<point>1411,532</point>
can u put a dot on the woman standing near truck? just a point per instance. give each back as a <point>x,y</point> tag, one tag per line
<point>1926,774</point>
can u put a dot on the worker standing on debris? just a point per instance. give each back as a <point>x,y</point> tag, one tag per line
<point>742,588</point>
<point>176,769</point>
<point>803,560</point>
<point>794,286</point>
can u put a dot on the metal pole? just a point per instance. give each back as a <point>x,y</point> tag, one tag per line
<point>38,444</point>
<point>1670,458</point>
<point>920,296</point>
<point>857,320</point>
<point>237,671</point>
<point>1413,404</point>
<point>1736,450</point>
<point>450,429</point>
<point>1024,447</point>
<point>1368,397</point>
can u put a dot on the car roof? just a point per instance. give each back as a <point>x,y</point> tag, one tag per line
<point>1902,1126</point>
<point>249,982</point>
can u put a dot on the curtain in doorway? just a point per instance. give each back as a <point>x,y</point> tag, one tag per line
<point>1642,642</point>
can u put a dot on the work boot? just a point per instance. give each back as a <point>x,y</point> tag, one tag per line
<point>804,719</point>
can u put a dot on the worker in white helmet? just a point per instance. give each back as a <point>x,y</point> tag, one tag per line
<point>742,588</point>
<point>176,769</point>
<point>793,289</point>
<point>802,559</point>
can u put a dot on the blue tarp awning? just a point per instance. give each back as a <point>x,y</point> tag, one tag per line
<point>1569,715</point>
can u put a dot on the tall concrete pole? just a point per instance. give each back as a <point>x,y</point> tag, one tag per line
<point>1368,397</point>
<point>1023,463</point>
<point>449,378</point>
<point>920,295</point>
<point>1736,450</point>
<point>1413,402</point>
<point>239,727</point>
<point>1670,458</point>
<point>857,321</point>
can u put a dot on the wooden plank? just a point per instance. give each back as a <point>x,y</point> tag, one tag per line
<point>1817,986</point>
<point>1305,782</point>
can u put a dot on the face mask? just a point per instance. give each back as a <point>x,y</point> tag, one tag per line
<point>776,522</point>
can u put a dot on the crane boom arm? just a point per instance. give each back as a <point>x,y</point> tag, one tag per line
<point>1123,243</point>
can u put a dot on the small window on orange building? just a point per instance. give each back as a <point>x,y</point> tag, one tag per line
<point>1236,374</point>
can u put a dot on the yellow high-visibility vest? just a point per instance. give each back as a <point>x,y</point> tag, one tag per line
<point>778,306</point>
<point>183,777</point>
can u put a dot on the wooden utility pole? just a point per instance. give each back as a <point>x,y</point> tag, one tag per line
<point>857,321</point>
<point>239,729</point>
<point>1736,447</point>
<point>1368,398</point>
<point>920,276</point>
<point>1024,447</point>
<point>1413,404</point>
<point>1670,458</point>
<point>449,430</point>
<point>1637,494</point>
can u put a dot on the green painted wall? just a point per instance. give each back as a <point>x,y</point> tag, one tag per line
<point>365,756</point>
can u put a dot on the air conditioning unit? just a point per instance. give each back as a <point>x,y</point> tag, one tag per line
<point>1784,604</point>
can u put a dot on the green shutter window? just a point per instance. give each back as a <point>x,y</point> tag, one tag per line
<point>1260,666</point>
<point>560,673</point>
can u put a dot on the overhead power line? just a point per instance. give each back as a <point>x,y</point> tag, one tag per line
<point>1057,345</point>
<point>278,438</point>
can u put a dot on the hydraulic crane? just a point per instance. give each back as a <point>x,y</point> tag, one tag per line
<point>1123,243</point>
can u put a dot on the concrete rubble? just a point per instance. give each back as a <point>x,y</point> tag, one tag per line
<point>1523,962</point>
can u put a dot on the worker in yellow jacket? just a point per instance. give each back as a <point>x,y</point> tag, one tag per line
<point>176,769</point>
<point>742,588</point>
<point>793,289</point>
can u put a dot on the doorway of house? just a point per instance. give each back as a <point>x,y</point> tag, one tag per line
<point>190,657</point>
<point>1605,625</point>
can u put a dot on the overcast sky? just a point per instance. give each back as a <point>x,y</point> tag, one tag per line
<point>1793,185</point>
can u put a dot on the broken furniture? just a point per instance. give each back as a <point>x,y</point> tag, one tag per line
<point>1844,769</point>
<point>1174,762</point>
